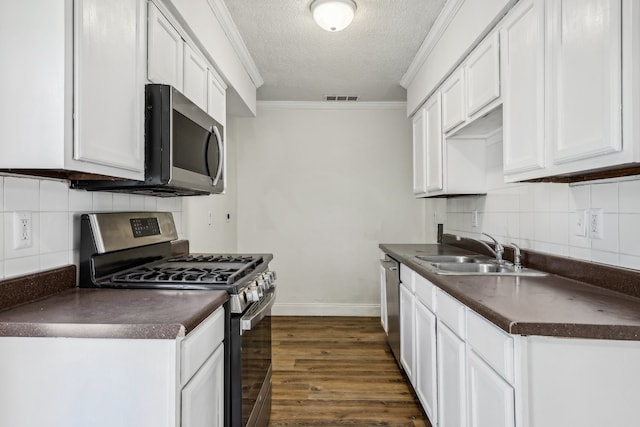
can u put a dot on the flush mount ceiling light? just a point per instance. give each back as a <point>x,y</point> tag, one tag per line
<point>333,15</point>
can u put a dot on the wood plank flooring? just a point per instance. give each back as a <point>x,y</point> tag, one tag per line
<point>338,371</point>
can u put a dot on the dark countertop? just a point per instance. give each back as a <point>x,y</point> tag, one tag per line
<point>112,313</point>
<point>548,306</point>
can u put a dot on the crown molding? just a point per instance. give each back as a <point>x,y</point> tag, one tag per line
<point>229,27</point>
<point>331,105</point>
<point>442,22</point>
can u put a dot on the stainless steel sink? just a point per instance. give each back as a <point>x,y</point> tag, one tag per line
<point>447,258</point>
<point>474,265</point>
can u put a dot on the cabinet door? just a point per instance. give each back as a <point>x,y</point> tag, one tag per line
<point>216,97</point>
<point>383,300</point>
<point>453,105</point>
<point>451,378</point>
<point>203,396</point>
<point>433,144</point>
<point>522,38</point>
<point>491,398</point>
<point>164,50</point>
<point>426,369</point>
<point>406,332</point>
<point>419,154</point>
<point>109,83</point>
<point>482,73</point>
<point>195,77</point>
<point>584,114</point>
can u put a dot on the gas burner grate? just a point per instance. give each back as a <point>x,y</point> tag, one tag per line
<point>176,275</point>
<point>241,259</point>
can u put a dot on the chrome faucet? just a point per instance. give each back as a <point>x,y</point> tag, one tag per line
<point>517,258</point>
<point>498,251</point>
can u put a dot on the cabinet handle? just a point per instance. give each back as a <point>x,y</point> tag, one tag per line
<point>220,157</point>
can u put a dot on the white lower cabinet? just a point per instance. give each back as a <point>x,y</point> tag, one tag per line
<point>407,323</point>
<point>452,391</point>
<point>107,382</point>
<point>426,369</point>
<point>490,397</point>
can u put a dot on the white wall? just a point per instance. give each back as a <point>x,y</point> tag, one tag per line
<point>320,189</point>
<point>205,217</point>
<point>55,210</point>
<point>542,216</point>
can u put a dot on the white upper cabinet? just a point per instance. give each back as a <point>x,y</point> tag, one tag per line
<point>433,143</point>
<point>419,154</point>
<point>196,78</point>
<point>580,113</point>
<point>453,103</point>
<point>482,74</point>
<point>216,97</point>
<point>109,94</point>
<point>165,51</point>
<point>523,62</point>
<point>73,91</point>
<point>585,80</point>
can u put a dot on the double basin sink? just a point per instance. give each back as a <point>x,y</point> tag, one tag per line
<point>474,265</point>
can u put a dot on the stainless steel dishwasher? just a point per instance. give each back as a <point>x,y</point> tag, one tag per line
<point>392,282</point>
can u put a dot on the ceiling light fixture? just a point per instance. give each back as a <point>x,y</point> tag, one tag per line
<point>333,15</point>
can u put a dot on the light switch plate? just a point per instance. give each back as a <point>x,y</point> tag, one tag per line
<point>22,230</point>
<point>474,218</point>
<point>581,219</point>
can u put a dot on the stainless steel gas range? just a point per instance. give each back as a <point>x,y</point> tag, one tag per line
<point>142,250</point>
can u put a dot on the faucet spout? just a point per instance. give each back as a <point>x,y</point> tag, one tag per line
<point>498,251</point>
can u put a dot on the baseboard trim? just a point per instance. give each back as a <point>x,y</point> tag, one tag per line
<point>323,309</point>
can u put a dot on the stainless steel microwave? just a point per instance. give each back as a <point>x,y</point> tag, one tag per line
<point>184,149</point>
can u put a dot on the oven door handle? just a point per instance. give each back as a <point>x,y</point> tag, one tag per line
<point>251,319</point>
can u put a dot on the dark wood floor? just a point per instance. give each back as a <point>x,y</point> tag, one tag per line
<point>338,371</point>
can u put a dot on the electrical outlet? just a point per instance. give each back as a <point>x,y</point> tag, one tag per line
<point>596,224</point>
<point>22,230</point>
<point>474,218</point>
<point>581,220</point>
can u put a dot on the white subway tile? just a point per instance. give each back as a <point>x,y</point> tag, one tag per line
<point>513,226</point>
<point>21,194</point>
<point>527,198</point>
<point>1,269</point>
<point>583,253</point>
<point>102,202</point>
<point>136,202</point>
<point>80,201</point>
<point>629,196</point>
<point>121,202</point>
<point>54,260</point>
<point>21,266</point>
<point>54,232</point>
<point>541,226</point>
<point>603,257</point>
<point>54,196</point>
<point>610,242</point>
<point>2,237</point>
<point>605,197</point>
<point>527,226</point>
<point>559,228</point>
<point>150,203</point>
<point>579,197</point>
<point>541,199</point>
<point>558,196</point>
<point>9,223</point>
<point>74,231</point>
<point>1,204</point>
<point>629,226</point>
<point>167,204</point>
<point>630,261</point>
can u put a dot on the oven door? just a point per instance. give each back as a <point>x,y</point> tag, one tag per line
<point>250,369</point>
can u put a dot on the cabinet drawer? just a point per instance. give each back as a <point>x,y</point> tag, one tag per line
<point>492,344</point>
<point>425,292</point>
<point>451,313</point>
<point>407,276</point>
<point>201,343</point>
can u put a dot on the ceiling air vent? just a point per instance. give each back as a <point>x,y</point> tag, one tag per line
<point>340,98</point>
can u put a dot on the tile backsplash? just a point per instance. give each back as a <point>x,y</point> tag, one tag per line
<point>544,216</point>
<point>55,214</point>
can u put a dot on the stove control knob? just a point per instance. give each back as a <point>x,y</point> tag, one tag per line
<point>253,294</point>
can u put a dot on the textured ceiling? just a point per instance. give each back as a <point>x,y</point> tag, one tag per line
<point>299,61</point>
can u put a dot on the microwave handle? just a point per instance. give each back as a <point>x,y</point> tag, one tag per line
<point>220,157</point>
